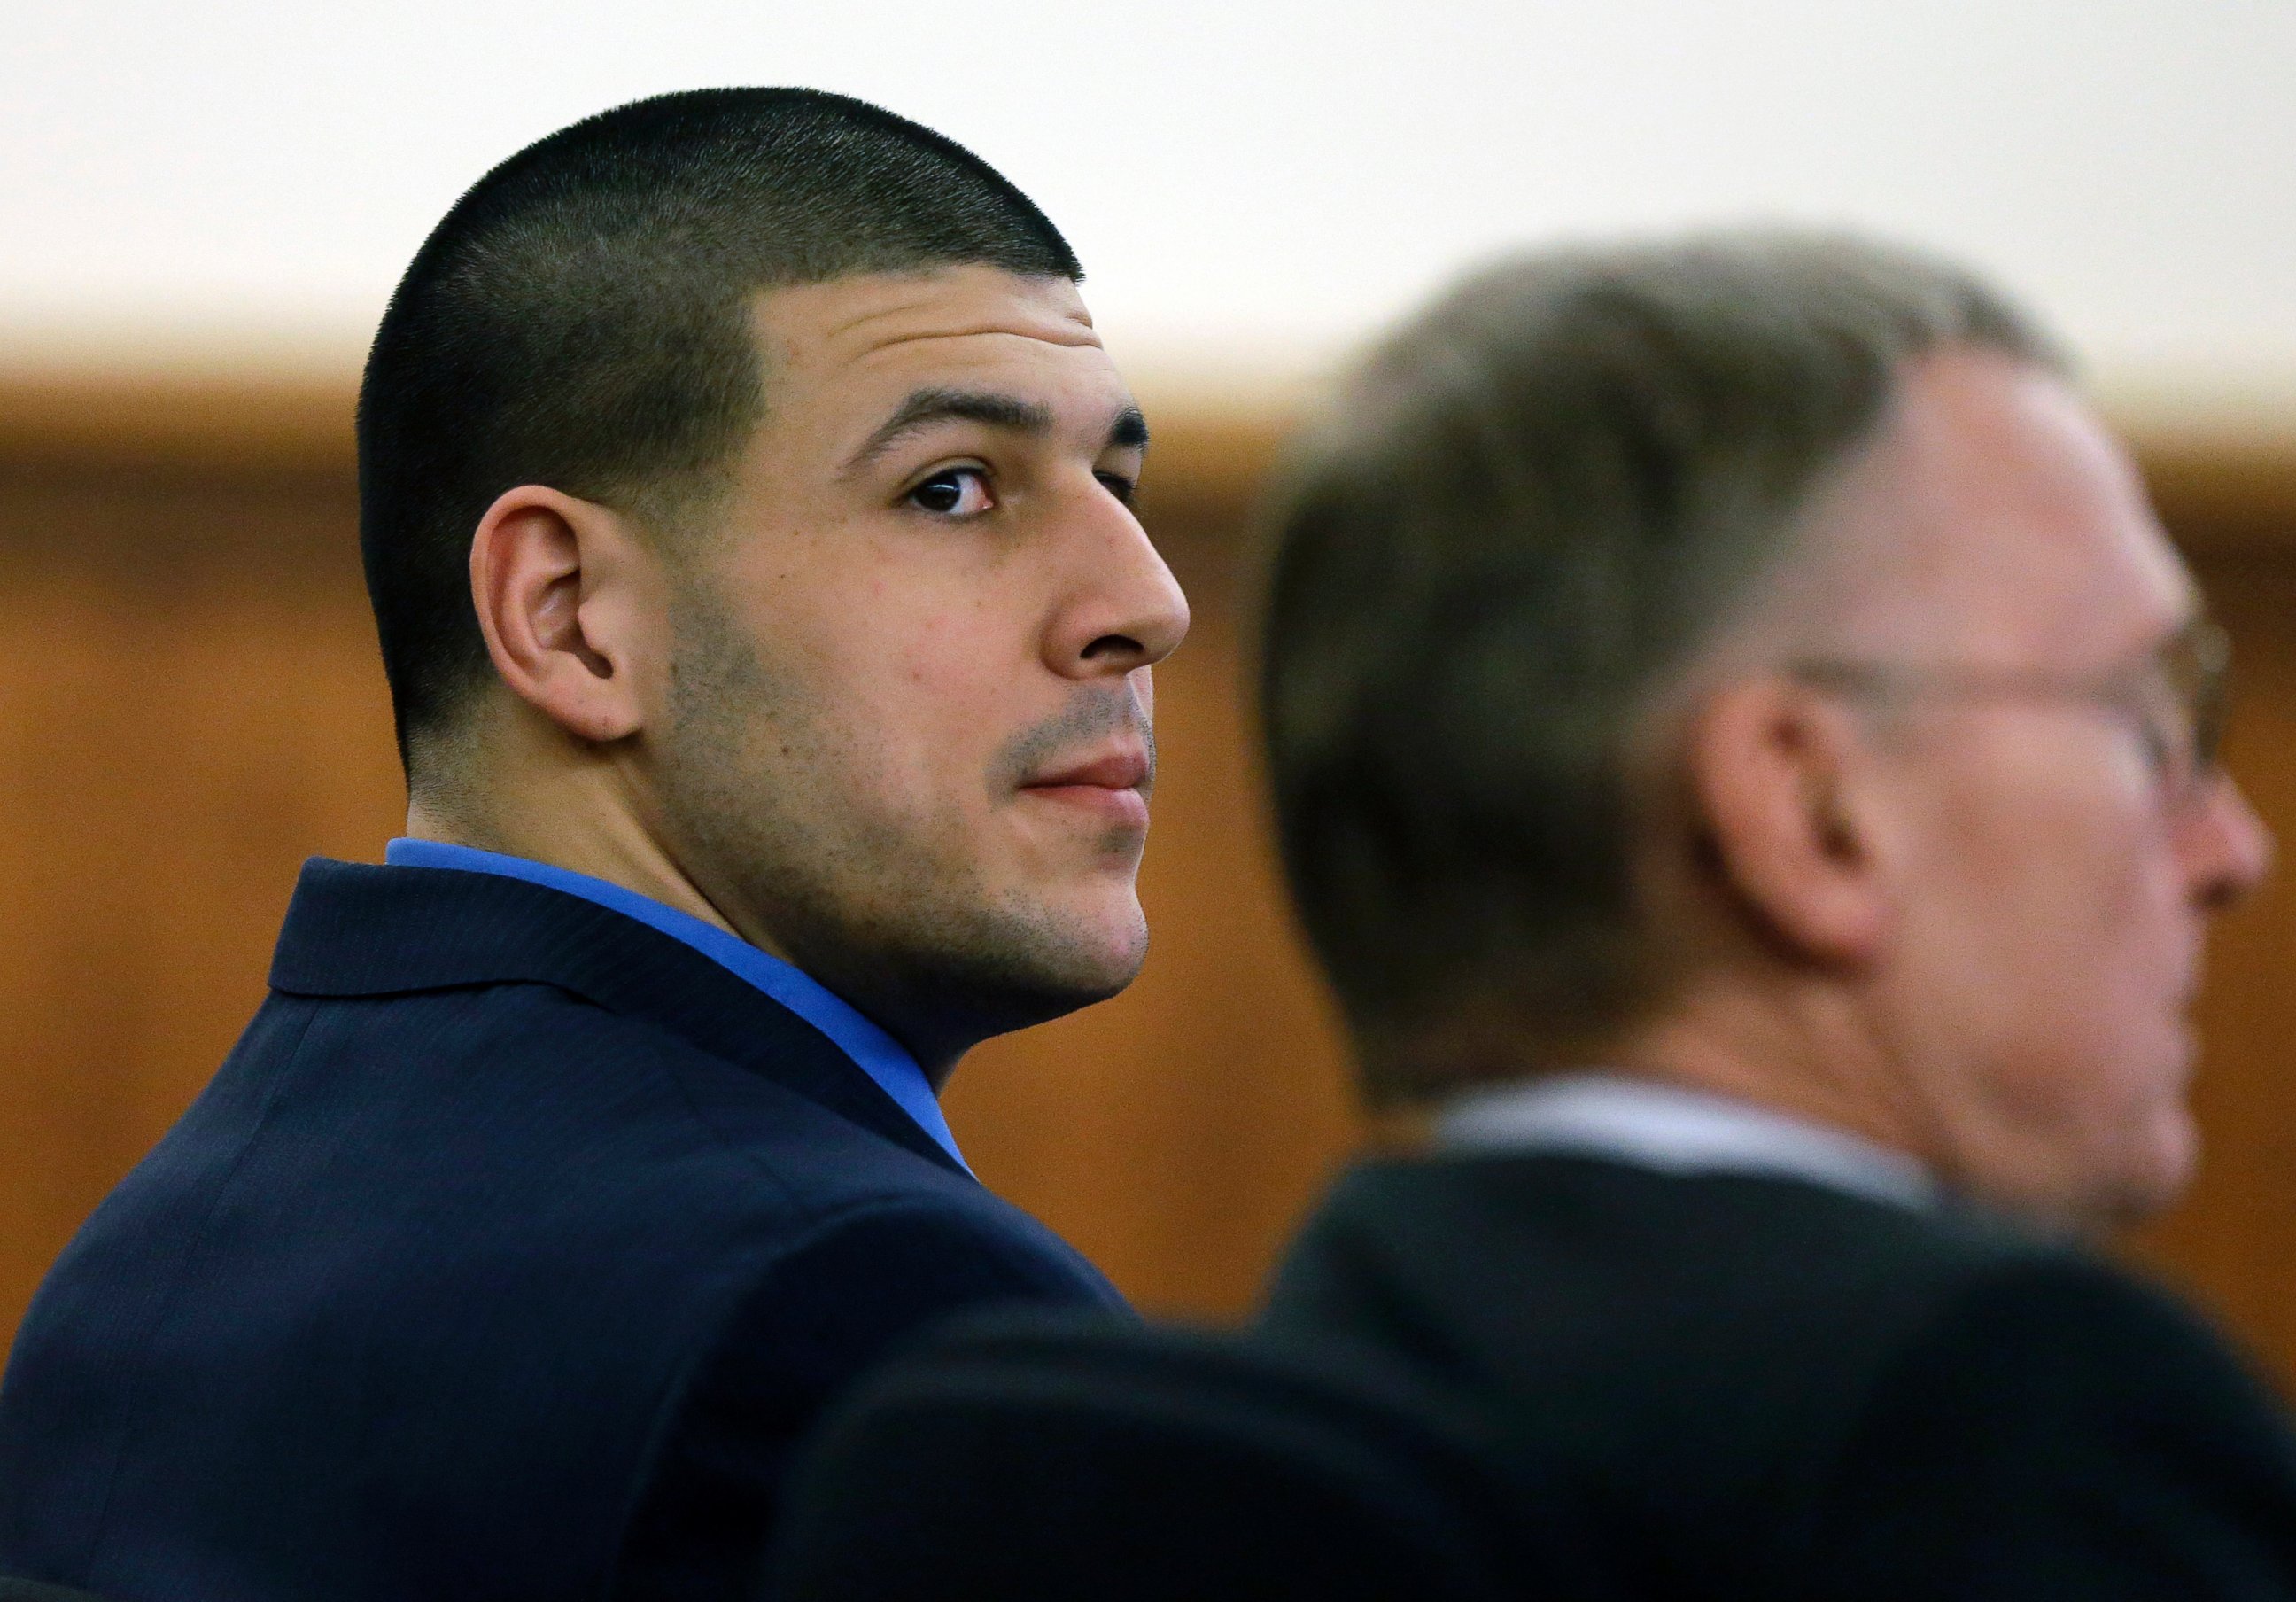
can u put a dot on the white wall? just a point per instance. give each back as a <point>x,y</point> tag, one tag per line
<point>1248,183</point>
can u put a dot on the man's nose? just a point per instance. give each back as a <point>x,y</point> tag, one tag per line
<point>1121,609</point>
<point>2233,849</point>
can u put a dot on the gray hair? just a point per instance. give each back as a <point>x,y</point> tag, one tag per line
<point>1520,522</point>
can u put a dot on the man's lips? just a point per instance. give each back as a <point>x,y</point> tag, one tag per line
<point>1110,785</point>
<point>1125,769</point>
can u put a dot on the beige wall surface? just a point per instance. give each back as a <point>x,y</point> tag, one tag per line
<point>1257,182</point>
<point>190,706</point>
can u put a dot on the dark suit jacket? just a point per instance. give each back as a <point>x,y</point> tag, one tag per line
<point>504,1258</point>
<point>1755,1387</point>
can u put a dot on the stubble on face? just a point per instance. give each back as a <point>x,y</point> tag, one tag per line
<point>807,830</point>
<point>1094,714</point>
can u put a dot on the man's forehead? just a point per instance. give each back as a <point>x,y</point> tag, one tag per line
<point>875,319</point>
<point>1997,502</point>
<point>843,357</point>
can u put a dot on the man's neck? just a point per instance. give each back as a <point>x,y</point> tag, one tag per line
<point>1808,1058</point>
<point>609,843</point>
<point>506,780</point>
<point>609,846</point>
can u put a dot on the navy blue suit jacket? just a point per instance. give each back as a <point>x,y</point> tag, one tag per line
<point>506,1257</point>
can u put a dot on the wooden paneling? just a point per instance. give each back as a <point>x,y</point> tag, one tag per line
<point>190,705</point>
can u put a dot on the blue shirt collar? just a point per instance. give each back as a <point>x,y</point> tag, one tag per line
<point>873,1051</point>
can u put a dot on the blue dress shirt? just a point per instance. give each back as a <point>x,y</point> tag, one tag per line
<point>873,1051</point>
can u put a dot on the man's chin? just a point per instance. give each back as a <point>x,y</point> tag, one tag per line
<point>2153,1176</point>
<point>1041,967</point>
<point>1090,976</point>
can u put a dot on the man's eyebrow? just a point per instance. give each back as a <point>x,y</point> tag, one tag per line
<point>925,408</point>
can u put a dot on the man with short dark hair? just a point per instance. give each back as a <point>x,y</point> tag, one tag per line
<point>744,500</point>
<point>1745,751</point>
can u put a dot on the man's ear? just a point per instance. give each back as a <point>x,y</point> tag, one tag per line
<point>1775,779</point>
<point>563,595</point>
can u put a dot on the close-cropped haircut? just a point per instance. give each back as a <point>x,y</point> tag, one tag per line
<point>1513,532</point>
<point>581,319</point>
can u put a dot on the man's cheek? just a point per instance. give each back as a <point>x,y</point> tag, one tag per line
<point>949,672</point>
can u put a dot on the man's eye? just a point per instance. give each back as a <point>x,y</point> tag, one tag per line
<point>2160,747</point>
<point>957,492</point>
<point>2165,728</point>
<point>1118,486</point>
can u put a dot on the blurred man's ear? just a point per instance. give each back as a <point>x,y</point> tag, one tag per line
<point>1773,775</point>
<point>564,590</point>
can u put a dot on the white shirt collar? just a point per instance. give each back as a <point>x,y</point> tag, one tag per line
<point>1675,1130</point>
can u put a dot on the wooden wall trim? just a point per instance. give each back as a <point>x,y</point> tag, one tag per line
<point>222,424</point>
<point>2228,488</point>
<point>2224,492</point>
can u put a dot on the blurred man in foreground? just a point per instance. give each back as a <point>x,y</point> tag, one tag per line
<point>1745,753</point>
<point>745,510</point>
